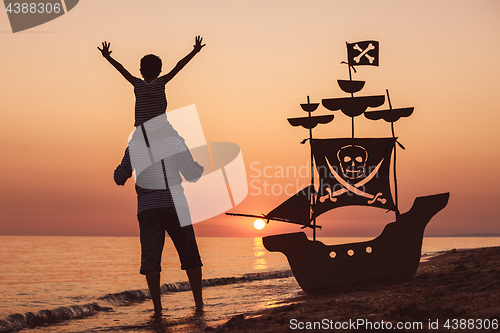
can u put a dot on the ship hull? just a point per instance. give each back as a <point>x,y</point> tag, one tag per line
<point>395,254</point>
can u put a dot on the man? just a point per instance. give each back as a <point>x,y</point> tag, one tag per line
<point>160,200</point>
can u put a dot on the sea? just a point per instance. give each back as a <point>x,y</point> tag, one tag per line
<point>92,284</point>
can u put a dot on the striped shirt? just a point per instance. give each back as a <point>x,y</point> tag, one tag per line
<point>150,100</point>
<point>171,193</point>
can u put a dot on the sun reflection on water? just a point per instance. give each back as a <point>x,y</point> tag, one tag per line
<point>260,262</point>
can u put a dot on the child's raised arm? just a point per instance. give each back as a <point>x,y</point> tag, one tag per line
<point>180,65</point>
<point>106,53</point>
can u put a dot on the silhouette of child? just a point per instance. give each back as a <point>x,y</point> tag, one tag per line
<point>150,98</point>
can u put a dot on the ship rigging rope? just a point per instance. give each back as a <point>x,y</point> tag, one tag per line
<point>352,66</point>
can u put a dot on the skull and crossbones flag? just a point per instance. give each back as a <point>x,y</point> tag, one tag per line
<point>353,172</point>
<point>363,53</point>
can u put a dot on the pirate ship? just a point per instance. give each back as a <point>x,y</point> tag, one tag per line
<point>352,171</point>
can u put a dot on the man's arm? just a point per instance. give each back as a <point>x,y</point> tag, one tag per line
<point>180,65</point>
<point>106,53</point>
<point>124,170</point>
<point>190,169</point>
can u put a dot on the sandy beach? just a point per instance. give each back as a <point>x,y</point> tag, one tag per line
<point>455,291</point>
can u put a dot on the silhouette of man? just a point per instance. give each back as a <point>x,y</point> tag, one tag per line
<point>161,202</point>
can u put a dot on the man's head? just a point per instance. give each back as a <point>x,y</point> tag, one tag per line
<point>150,66</point>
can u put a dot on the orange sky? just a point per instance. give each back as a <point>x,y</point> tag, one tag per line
<point>66,113</point>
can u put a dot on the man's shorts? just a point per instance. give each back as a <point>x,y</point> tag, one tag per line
<point>153,223</point>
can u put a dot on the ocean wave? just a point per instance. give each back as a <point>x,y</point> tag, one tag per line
<point>139,295</point>
<point>18,321</point>
<point>428,255</point>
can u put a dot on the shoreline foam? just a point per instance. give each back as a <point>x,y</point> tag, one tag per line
<point>110,302</point>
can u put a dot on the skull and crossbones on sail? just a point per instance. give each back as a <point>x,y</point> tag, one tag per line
<point>353,172</point>
<point>352,161</point>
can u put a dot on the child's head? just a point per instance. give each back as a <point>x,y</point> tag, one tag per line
<point>150,66</point>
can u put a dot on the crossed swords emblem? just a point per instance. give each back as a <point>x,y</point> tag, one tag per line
<point>353,188</point>
<point>364,53</point>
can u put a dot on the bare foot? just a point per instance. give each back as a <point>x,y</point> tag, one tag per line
<point>158,312</point>
<point>199,307</point>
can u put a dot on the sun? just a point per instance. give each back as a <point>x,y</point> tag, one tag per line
<point>259,224</point>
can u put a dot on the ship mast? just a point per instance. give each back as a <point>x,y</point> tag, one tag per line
<point>350,79</point>
<point>309,108</point>
<point>311,122</point>
<point>392,115</point>
<point>396,202</point>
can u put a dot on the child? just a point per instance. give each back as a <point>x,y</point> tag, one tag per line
<point>151,100</point>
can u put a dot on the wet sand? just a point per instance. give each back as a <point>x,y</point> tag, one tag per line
<point>461,288</point>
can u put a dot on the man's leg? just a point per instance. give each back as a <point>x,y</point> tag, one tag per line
<point>185,242</point>
<point>153,279</point>
<point>152,241</point>
<point>194,276</point>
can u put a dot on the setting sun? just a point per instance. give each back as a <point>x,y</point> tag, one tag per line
<point>259,224</point>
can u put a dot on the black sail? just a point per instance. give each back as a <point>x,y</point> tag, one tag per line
<point>296,209</point>
<point>353,171</point>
